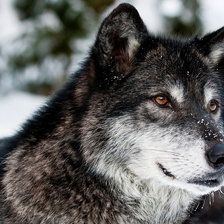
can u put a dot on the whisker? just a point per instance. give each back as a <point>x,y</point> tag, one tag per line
<point>203,204</point>
<point>221,191</point>
<point>197,206</point>
<point>209,200</point>
<point>221,195</point>
<point>161,150</point>
<point>213,197</point>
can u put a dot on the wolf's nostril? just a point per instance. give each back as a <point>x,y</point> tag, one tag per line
<point>216,155</point>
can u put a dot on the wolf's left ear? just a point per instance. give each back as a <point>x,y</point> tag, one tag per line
<point>118,40</point>
<point>212,46</point>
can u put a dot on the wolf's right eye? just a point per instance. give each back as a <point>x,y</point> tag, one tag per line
<point>213,106</point>
<point>161,100</point>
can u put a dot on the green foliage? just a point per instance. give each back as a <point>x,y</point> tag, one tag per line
<point>53,26</point>
<point>188,22</point>
<point>40,88</point>
<point>98,5</point>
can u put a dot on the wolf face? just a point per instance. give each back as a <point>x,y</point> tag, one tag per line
<point>156,109</point>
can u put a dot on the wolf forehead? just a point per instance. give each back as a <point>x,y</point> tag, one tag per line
<point>173,67</point>
<point>168,66</point>
<point>173,62</point>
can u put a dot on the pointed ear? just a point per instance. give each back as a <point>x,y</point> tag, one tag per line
<point>118,40</point>
<point>212,46</point>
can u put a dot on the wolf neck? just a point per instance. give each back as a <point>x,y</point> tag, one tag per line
<point>164,204</point>
<point>153,203</point>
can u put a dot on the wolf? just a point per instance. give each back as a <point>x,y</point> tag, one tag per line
<point>134,137</point>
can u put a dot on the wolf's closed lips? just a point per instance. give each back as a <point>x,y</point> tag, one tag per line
<point>165,171</point>
<point>208,183</point>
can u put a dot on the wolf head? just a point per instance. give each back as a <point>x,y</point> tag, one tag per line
<point>155,107</point>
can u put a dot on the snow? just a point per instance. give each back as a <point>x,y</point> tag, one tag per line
<point>212,14</point>
<point>15,108</point>
<point>171,8</point>
<point>149,12</point>
<point>9,23</point>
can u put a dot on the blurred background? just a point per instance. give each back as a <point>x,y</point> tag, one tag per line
<point>43,42</point>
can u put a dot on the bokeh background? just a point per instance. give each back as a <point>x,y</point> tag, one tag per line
<point>43,41</point>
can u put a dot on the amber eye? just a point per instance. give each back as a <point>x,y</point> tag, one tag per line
<point>213,106</point>
<point>161,100</point>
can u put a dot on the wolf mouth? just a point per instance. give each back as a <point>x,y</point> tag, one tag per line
<point>165,171</point>
<point>208,183</point>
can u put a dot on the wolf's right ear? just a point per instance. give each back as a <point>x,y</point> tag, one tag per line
<point>118,40</point>
<point>212,46</point>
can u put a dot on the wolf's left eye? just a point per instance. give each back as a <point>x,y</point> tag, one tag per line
<point>213,106</point>
<point>161,100</point>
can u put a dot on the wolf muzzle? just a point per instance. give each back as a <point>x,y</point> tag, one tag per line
<point>215,156</point>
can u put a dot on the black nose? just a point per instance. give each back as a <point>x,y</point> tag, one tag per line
<point>216,155</point>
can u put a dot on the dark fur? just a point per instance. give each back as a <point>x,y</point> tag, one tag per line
<point>48,177</point>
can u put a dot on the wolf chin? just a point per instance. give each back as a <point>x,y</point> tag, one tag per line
<point>135,136</point>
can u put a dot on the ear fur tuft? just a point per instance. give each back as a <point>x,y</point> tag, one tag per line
<point>212,45</point>
<point>118,40</point>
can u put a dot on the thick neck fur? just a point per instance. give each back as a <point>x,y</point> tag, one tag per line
<point>87,201</point>
<point>52,190</point>
<point>163,204</point>
<point>150,201</point>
